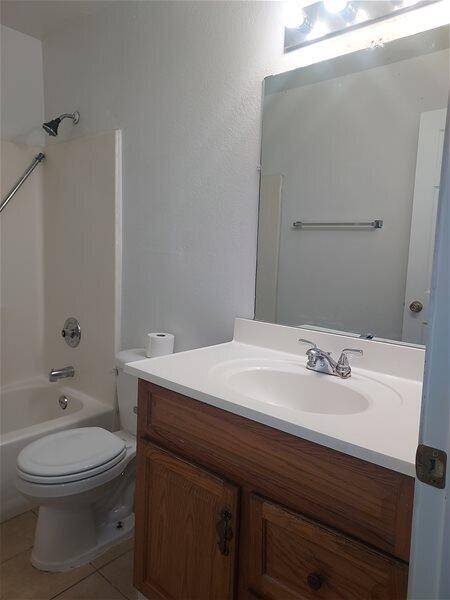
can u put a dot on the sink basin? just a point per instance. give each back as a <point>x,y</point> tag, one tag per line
<point>292,386</point>
<point>298,391</point>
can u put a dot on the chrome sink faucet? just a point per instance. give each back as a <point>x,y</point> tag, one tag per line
<point>322,362</point>
<point>57,374</point>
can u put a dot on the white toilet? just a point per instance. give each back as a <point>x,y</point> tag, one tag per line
<point>83,482</point>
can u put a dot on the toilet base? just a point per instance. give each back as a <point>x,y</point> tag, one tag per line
<point>74,541</point>
<point>79,520</point>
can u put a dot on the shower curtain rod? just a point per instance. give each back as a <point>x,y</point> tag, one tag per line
<point>37,159</point>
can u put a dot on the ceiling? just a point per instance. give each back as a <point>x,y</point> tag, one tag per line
<point>40,17</point>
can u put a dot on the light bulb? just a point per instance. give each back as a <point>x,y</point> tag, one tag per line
<point>294,16</point>
<point>319,30</point>
<point>335,6</point>
<point>361,16</point>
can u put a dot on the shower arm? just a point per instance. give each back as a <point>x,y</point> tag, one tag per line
<point>74,116</point>
<point>37,159</point>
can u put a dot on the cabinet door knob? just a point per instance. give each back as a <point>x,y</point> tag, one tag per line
<point>314,581</point>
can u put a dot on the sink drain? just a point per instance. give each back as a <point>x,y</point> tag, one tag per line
<point>63,402</point>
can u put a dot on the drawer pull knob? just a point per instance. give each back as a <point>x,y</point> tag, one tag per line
<point>225,531</point>
<point>314,580</point>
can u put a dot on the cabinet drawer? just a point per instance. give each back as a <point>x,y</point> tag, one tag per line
<point>370,503</point>
<point>292,557</point>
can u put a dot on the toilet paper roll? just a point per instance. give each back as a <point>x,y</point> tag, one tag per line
<point>159,344</point>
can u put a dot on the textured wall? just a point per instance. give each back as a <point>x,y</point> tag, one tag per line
<point>182,80</point>
<point>22,105</point>
<point>21,253</point>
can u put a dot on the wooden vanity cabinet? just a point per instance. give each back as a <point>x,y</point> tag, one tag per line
<point>182,512</point>
<point>229,508</point>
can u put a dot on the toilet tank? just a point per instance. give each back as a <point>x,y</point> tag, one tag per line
<point>127,389</point>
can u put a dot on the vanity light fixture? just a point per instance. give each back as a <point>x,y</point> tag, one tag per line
<point>319,30</point>
<point>335,6</point>
<point>361,16</point>
<point>404,3</point>
<point>295,17</point>
<point>308,24</point>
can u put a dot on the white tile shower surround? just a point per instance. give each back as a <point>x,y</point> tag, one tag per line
<point>109,577</point>
<point>82,239</point>
<point>61,257</point>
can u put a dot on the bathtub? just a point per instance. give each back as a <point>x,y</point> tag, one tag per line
<point>31,410</point>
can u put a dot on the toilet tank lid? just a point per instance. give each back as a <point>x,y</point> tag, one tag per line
<point>126,356</point>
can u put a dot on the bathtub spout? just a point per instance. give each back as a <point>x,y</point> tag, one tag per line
<point>57,374</point>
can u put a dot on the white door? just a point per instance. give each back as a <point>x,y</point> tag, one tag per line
<point>423,225</point>
<point>430,551</point>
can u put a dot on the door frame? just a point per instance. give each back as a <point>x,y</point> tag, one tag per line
<point>430,547</point>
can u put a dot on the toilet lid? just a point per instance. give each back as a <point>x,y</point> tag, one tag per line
<point>71,452</point>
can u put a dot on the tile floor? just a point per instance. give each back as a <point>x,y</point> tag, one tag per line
<point>108,577</point>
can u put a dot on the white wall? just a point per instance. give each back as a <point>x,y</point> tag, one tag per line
<point>347,148</point>
<point>183,82</point>
<point>21,293</point>
<point>22,89</point>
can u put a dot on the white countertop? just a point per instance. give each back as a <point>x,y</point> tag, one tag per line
<point>385,434</point>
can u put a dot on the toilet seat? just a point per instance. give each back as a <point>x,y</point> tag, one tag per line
<point>51,480</point>
<point>70,455</point>
<point>87,480</point>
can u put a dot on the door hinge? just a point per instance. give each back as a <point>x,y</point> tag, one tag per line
<point>431,465</point>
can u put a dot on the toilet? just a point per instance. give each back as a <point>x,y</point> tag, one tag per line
<point>83,482</point>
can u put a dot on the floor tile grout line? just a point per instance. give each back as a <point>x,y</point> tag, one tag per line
<point>16,555</point>
<point>71,586</point>
<point>23,551</point>
<point>110,561</point>
<point>95,570</point>
<point>112,584</point>
<point>17,516</point>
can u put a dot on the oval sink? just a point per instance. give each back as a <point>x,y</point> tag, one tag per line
<point>292,386</point>
<point>298,391</point>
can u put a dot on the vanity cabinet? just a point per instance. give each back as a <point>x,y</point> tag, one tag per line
<point>230,508</point>
<point>182,512</point>
<point>294,557</point>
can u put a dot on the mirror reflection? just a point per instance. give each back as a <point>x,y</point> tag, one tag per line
<point>351,158</point>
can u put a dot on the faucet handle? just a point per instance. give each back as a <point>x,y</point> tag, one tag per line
<point>303,341</point>
<point>351,352</point>
<point>312,353</point>
<point>343,366</point>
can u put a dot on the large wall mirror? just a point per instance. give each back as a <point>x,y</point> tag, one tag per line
<point>351,159</point>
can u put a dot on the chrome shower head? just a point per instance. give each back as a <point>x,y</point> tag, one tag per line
<point>51,127</point>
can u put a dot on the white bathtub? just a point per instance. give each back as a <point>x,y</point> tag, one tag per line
<point>31,410</point>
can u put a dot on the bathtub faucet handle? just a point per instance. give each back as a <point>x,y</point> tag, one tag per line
<point>71,332</point>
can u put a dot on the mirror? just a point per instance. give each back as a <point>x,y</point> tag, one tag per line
<point>351,156</point>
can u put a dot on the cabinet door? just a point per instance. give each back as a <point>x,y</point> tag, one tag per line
<point>185,529</point>
<point>292,557</point>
